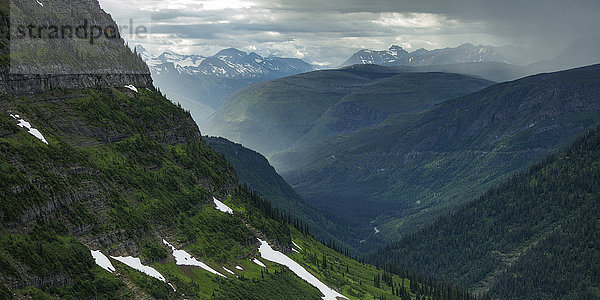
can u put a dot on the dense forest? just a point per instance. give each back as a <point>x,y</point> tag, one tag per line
<point>536,236</point>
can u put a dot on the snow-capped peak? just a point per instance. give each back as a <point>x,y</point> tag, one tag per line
<point>227,63</point>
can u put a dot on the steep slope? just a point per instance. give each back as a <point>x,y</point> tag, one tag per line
<point>404,172</point>
<point>276,115</point>
<point>40,61</point>
<point>254,170</point>
<point>536,236</point>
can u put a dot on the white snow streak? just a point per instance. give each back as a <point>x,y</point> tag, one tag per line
<point>131,87</point>
<point>24,124</point>
<point>228,271</point>
<point>269,254</point>
<point>295,250</point>
<point>376,230</point>
<point>239,268</point>
<point>40,3</point>
<point>136,263</point>
<point>258,262</point>
<point>297,245</point>
<point>222,207</point>
<point>102,261</point>
<point>183,258</point>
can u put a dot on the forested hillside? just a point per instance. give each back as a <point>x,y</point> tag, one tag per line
<point>536,236</point>
<point>403,173</point>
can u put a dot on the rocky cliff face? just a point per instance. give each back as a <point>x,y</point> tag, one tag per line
<point>34,58</point>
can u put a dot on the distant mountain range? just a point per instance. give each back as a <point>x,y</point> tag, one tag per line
<point>466,53</point>
<point>582,52</point>
<point>201,83</point>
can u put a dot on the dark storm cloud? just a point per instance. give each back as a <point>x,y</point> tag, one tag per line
<point>329,31</point>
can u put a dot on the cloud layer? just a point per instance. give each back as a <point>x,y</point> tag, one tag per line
<point>328,32</point>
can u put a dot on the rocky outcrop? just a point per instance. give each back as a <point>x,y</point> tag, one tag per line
<point>15,84</point>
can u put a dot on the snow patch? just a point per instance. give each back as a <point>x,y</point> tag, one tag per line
<point>228,271</point>
<point>102,261</point>
<point>295,250</point>
<point>40,3</point>
<point>131,87</point>
<point>258,262</point>
<point>376,230</point>
<point>24,124</point>
<point>239,268</point>
<point>183,258</point>
<point>296,245</point>
<point>136,263</point>
<point>269,254</point>
<point>222,207</point>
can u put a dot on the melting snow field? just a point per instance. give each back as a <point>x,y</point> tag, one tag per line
<point>258,262</point>
<point>222,207</point>
<point>136,263</point>
<point>31,130</point>
<point>183,258</point>
<point>131,87</point>
<point>269,254</point>
<point>102,261</point>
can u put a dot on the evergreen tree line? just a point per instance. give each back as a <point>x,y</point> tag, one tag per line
<point>545,221</point>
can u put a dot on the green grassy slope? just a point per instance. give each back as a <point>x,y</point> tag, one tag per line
<point>123,171</point>
<point>533,237</point>
<point>409,169</point>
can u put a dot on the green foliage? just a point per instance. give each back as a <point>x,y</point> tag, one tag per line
<point>533,237</point>
<point>153,252</point>
<point>150,285</point>
<point>278,284</point>
<point>49,253</point>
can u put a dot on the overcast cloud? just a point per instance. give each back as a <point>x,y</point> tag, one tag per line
<point>327,32</point>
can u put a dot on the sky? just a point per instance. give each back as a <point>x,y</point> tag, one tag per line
<point>327,32</point>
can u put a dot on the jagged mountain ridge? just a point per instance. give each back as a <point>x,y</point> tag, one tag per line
<point>201,84</point>
<point>227,63</point>
<point>396,56</point>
